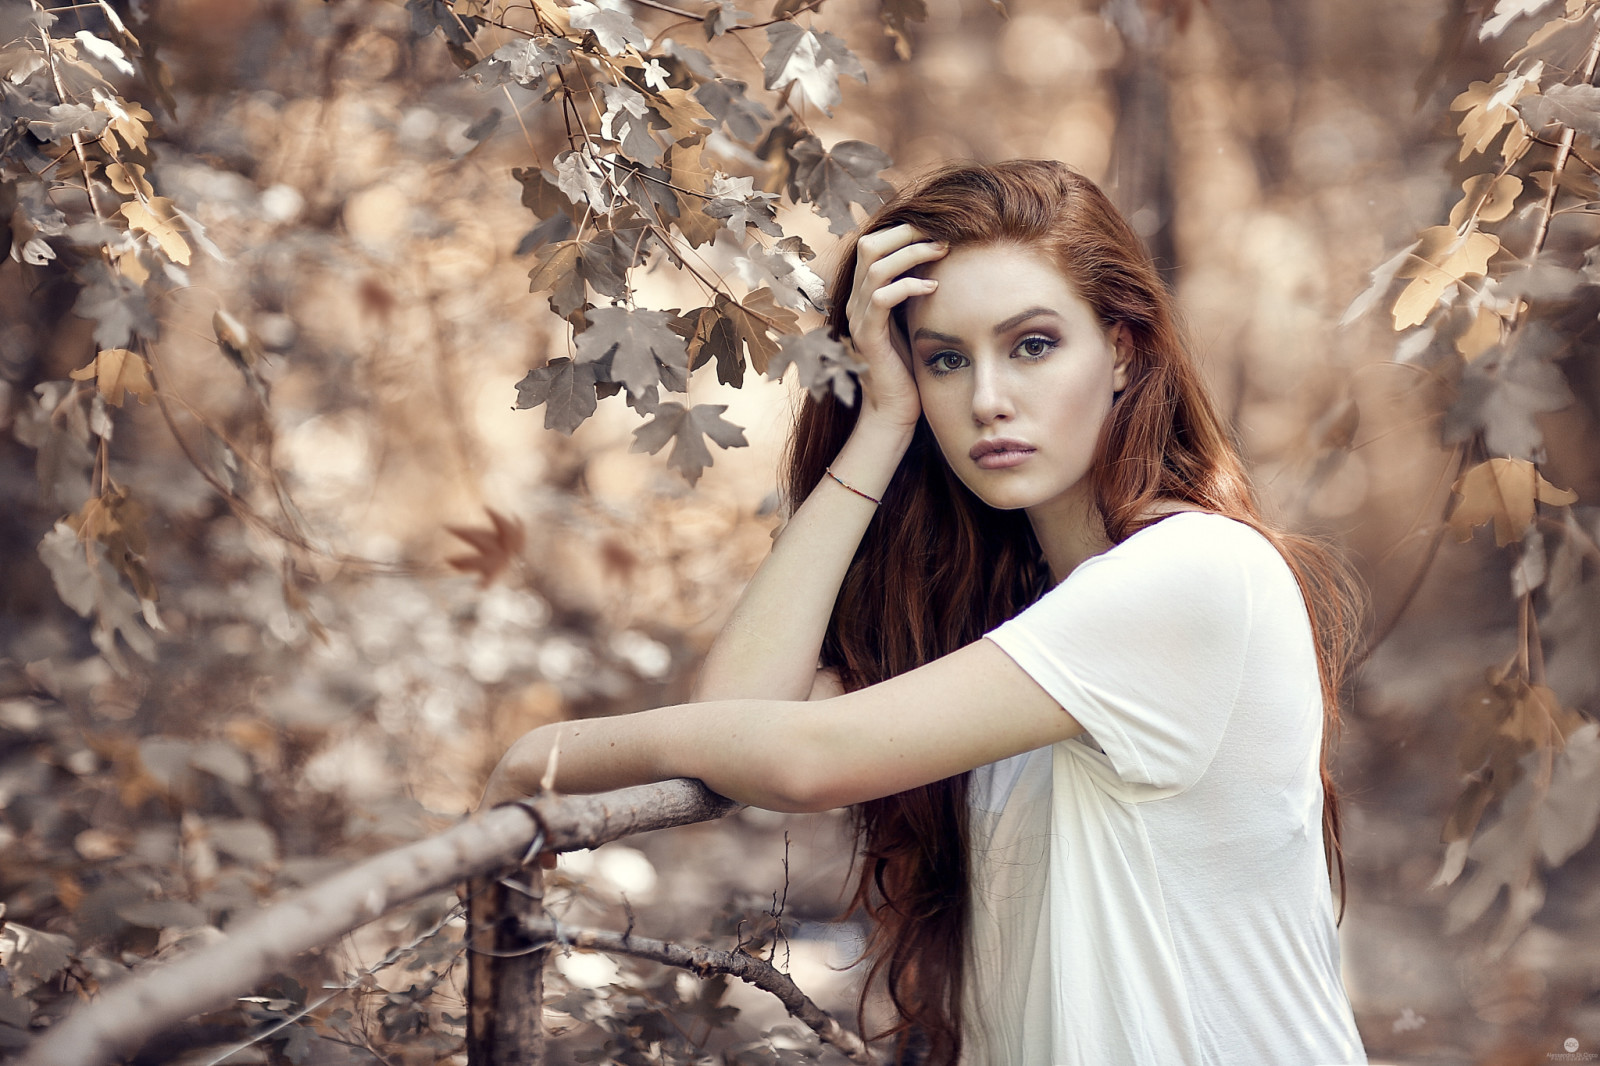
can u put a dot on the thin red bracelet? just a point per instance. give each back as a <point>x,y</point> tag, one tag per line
<point>851,487</point>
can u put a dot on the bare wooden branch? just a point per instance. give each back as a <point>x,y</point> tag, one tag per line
<point>705,961</point>
<point>132,1011</point>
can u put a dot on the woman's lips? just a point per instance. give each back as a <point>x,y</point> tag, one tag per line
<point>1000,454</point>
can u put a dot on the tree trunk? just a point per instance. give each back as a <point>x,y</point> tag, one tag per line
<point>505,970</point>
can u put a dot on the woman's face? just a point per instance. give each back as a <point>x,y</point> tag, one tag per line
<point>1016,375</point>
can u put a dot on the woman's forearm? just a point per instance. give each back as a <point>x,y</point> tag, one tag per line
<point>968,708</point>
<point>742,749</point>
<point>768,649</point>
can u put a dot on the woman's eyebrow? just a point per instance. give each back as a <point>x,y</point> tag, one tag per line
<point>1018,319</point>
<point>926,334</point>
<point>1009,324</point>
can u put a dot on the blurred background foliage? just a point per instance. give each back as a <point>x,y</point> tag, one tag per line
<point>319,572</point>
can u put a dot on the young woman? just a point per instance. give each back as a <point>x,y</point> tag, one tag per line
<point>1026,617</point>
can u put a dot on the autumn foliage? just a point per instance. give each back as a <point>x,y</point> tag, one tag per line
<point>276,584</point>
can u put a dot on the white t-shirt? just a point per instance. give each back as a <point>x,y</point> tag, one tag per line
<point>1154,892</point>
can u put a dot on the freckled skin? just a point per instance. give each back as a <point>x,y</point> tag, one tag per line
<point>987,368</point>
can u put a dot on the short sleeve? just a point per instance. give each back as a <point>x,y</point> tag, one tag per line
<point>1145,644</point>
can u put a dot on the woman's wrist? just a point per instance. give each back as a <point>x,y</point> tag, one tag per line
<point>877,420</point>
<point>596,755</point>
<point>872,453</point>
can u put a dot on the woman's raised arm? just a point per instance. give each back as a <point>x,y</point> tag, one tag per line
<point>769,647</point>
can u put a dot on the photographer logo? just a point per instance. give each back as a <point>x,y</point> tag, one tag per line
<point>1570,1052</point>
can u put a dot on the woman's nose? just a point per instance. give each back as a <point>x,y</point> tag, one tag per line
<point>991,394</point>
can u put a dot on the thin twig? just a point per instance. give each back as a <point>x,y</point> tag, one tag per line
<point>1563,153</point>
<point>705,961</point>
<point>351,982</point>
<point>1415,585</point>
<point>689,16</point>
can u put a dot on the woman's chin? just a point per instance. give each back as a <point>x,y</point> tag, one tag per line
<point>1004,497</point>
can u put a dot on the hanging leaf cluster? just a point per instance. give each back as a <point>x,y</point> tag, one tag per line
<point>76,195</point>
<point>1502,299</point>
<point>668,159</point>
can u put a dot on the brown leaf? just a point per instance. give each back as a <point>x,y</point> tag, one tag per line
<point>697,328</point>
<point>1578,182</point>
<point>1492,197</point>
<point>1458,255</point>
<point>1511,148</point>
<point>686,119</point>
<point>686,429</point>
<point>1489,106</point>
<point>560,262</point>
<point>1503,491</point>
<point>129,179</point>
<point>117,521</point>
<point>774,151</point>
<point>129,121</point>
<point>157,219</point>
<point>558,272</point>
<point>895,14</point>
<point>117,371</point>
<point>493,548</point>
<point>1484,710</point>
<point>1440,260</point>
<point>689,172</point>
<point>1533,719</point>
<point>753,318</point>
<point>1480,336</point>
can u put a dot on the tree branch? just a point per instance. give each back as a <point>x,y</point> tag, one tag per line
<point>132,1011</point>
<point>703,961</point>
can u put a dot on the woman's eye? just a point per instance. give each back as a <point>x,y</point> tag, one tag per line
<point>945,362</point>
<point>1034,347</point>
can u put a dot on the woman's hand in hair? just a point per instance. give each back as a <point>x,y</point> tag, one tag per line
<point>884,259</point>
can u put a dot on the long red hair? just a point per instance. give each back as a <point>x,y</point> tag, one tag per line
<point>938,568</point>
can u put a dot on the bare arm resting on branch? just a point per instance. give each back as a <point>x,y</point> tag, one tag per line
<point>971,707</point>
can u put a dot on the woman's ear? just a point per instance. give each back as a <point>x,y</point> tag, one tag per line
<point>1121,338</point>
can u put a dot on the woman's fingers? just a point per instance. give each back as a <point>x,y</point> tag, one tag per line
<point>904,259</point>
<point>897,292</point>
<point>880,273</point>
<point>883,280</point>
<point>880,243</point>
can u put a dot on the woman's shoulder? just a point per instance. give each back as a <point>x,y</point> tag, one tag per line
<point>1188,551</point>
<point>1194,532</point>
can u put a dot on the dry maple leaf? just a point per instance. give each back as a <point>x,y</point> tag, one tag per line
<point>493,549</point>
<point>115,372</point>
<point>158,219</point>
<point>1502,491</point>
<point>1440,259</point>
<point>1491,197</point>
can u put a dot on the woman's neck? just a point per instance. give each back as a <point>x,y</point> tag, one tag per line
<point>1069,529</point>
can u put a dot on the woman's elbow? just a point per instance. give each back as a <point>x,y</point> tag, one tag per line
<point>787,762</point>
<point>789,780</point>
<point>806,781</point>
